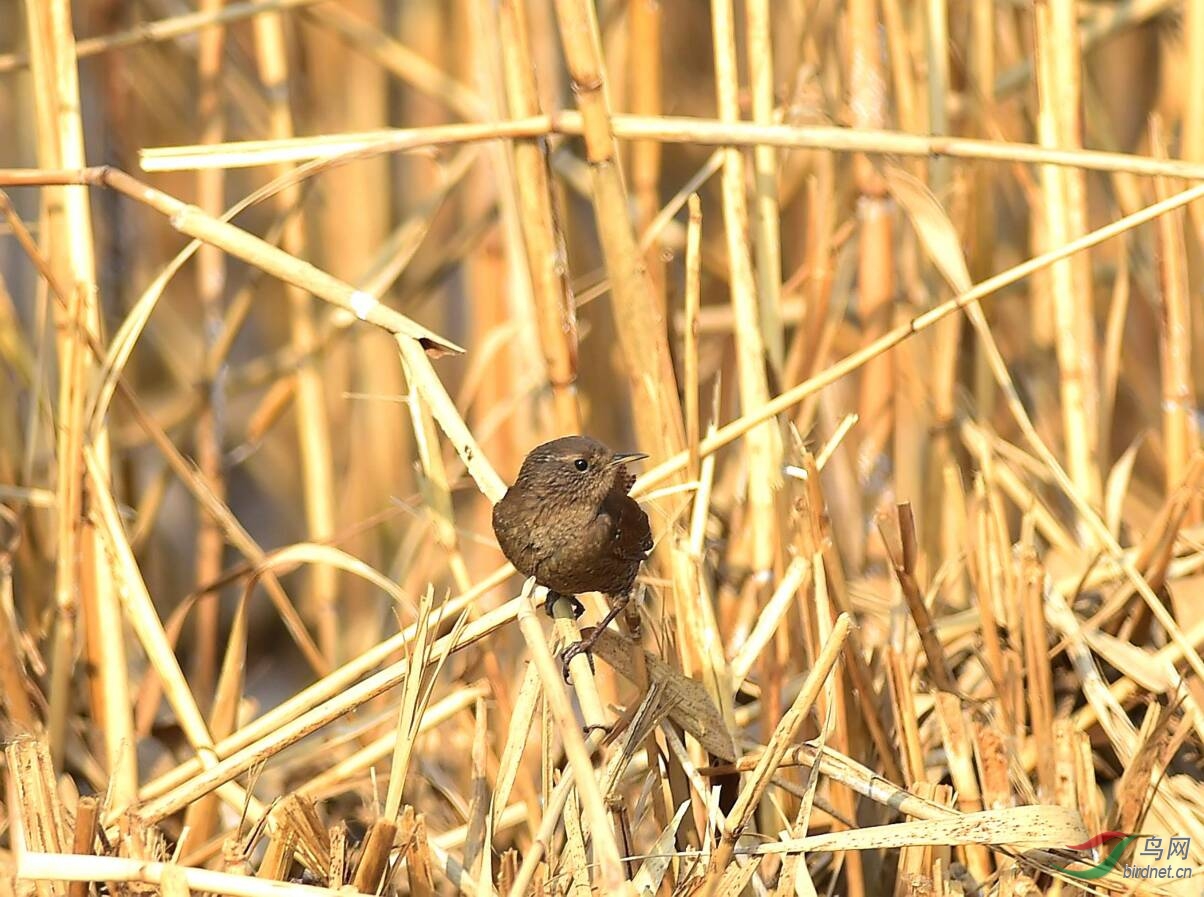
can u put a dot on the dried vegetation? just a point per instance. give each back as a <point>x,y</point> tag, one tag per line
<point>914,367</point>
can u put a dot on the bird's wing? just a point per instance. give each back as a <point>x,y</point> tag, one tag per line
<point>632,533</point>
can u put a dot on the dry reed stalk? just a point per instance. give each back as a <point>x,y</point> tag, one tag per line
<point>1192,140</point>
<point>666,129</point>
<point>610,870</point>
<point>947,336</point>
<point>200,821</point>
<point>542,241</point>
<point>208,432</point>
<point>1038,675</point>
<point>164,29</point>
<point>580,667</point>
<point>33,799</point>
<point>765,224</point>
<point>436,490</point>
<point>902,553</point>
<point>417,854</point>
<point>855,360</point>
<point>903,697</point>
<point>644,33</point>
<point>72,319</point>
<point>334,684</point>
<point>297,727</point>
<point>14,684</point>
<point>499,258</point>
<point>689,330</point>
<point>959,749</point>
<point>518,734</point>
<point>749,310</point>
<point>83,838</point>
<point>313,431</point>
<point>1179,429</point>
<point>421,375</point>
<point>875,270</point>
<point>786,732</point>
<point>1064,220</point>
<point>808,352</point>
<point>142,617</point>
<point>415,696</point>
<point>986,559</point>
<point>641,329</point>
<point>981,239</point>
<point>55,867</point>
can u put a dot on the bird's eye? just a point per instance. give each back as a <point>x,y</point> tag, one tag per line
<point>581,464</point>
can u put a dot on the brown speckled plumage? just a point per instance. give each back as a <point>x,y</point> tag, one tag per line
<point>575,529</point>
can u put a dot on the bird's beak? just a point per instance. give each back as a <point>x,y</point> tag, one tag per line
<point>625,457</point>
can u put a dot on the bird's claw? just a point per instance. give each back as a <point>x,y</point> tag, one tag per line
<point>572,651</point>
<point>553,597</point>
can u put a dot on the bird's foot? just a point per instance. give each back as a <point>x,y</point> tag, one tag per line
<point>585,646</point>
<point>553,597</point>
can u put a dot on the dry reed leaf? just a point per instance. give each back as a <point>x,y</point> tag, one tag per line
<point>1117,486</point>
<point>936,232</point>
<point>689,702</point>
<point>292,556</point>
<point>1019,827</point>
<point>1147,670</point>
<point>660,855</point>
<point>648,715</point>
<point>522,723</point>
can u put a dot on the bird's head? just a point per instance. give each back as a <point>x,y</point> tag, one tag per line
<point>576,468</point>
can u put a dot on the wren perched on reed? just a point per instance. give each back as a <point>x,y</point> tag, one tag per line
<point>569,522</point>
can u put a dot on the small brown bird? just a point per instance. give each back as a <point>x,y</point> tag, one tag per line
<point>569,522</point>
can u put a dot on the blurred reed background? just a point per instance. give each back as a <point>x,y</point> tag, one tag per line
<point>255,624</point>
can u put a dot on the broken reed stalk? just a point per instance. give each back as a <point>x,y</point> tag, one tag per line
<point>902,553</point>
